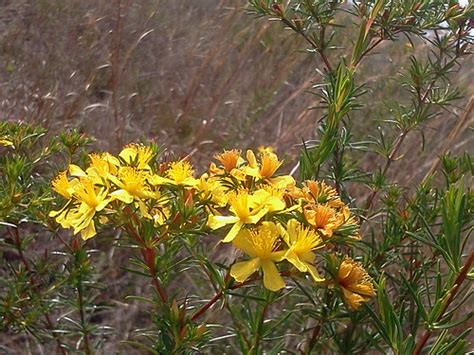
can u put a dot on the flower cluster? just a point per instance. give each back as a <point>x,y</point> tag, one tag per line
<point>279,225</point>
<point>97,191</point>
<point>274,221</point>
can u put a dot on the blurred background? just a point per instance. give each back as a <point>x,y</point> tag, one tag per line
<point>195,76</point>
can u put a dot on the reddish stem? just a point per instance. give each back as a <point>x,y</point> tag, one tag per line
<point>208,305</point>
<point>457,284</point>
<point>219,294</point>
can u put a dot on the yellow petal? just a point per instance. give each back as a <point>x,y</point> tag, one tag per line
<point>115,181</point>
<point>6,142</point>
<point>190,181</point>
<point>53,214</point>
<point>122,195</point>
<point>271,277</point>
<point>284,234</point>
<point>259,198</point>
<point>251,159</point>
<point>102,204</point>
<point>247,170</point>
<point>275,204</point>
<point>144,210</point>
<point>282,182</point>
<point>242,242</point>
<point>278,256</point>
<point>314,273</point>
<point>233,232</point>
<point>89,231</point>
<point>216,222</point>
<point>74,170</point>
<point>256,217</point>
<point>242,270</point>
<point>82,220</point>
<point>293,259</point>
<point>292,228</point>
<point>160,180</point>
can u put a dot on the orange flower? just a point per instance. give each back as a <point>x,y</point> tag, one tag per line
<point>355,283</point>
<point>322,217</point>
<point>230,159</point>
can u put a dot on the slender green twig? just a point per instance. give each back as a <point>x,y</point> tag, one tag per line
<point>85,333</point>
<point>14,232</point>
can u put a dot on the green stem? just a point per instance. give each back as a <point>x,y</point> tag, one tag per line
<point>258,333</point>
<point>14,232</point>
<point>80,301</point>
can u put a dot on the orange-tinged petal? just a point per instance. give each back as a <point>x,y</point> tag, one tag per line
<point>362,289</point>
<point>344,271</point>
<point>354,300</point>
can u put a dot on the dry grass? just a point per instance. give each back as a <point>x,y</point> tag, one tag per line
<point>196,76</point>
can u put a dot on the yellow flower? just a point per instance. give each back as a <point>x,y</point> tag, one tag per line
<point>268,197</point>
<point>302,242</point>
<point>212,189</point>
<point>132,184</point>
<point>180,173</point>
<point>322,218</point>
<point>89,200</point>
<point>103,164</point>
<point>262,246</point>
<point>230,159</point>
<point>6,142</point>
<point>269,165</point>
<point>63,186</point>
<point>137,155</point>
<point>240,206</point>
<point>355,283</point>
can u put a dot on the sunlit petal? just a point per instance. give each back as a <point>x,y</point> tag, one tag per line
<point>242,270</point>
